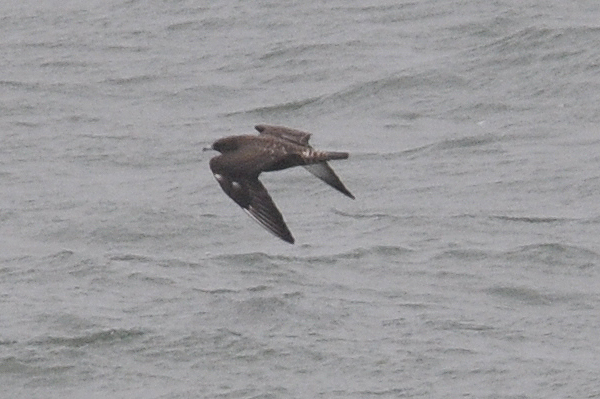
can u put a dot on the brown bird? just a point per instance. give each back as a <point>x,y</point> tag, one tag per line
<point>244,158</point>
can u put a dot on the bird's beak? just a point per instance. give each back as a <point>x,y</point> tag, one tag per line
<point>207,149</point>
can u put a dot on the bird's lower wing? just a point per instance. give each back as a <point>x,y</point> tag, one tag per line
<point>262,209</point>
<point>252,196</point>
<point>324,172</point>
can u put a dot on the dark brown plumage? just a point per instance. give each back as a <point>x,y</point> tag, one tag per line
<point>244,158</point>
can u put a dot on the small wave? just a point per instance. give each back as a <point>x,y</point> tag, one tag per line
<point>185,25</point>
<point>297,52</point>
<point>259,258</point>
<point>277,110</point>
<point>171,263</point>
<point>556,254</point>
<point>109,234</point>
<point>378,250</point>
<point>372,216</point>
<point>484,142</point>
<point>466,142</point>
<point>249,258</point>
<point>361,94</point>
<point>131,258</point>
<point>262,306</point>
<point>522,294</point>
<point>218,291</point>
<point>463,254</point>
<point>131,80</point>
<point>530,37</point>
<point>530,219</point>
<point>535,38</point>
<point>100,337</point>
<point>61,255</point>
<point>16,366</point>
<point>63,258</point>
<point>465,326</point>
<point>13,84</point>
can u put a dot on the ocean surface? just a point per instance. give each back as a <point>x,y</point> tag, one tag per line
<point>467,267</point>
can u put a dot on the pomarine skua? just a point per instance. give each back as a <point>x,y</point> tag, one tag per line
<point>244,158</point>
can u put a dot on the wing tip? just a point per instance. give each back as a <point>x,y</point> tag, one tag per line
<point>282,233</point>
<point>289,239</point>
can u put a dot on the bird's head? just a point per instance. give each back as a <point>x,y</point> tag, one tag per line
<point>226,144</point>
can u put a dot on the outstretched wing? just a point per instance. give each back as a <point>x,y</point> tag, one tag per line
<point>282,132</point>
<point>263,210</point>
<point>252,196</point>
<point>323,171</point>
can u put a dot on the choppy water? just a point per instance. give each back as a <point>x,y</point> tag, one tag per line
<point>468,265</point>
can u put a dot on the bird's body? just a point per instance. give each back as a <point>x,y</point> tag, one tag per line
<point>243,158</point>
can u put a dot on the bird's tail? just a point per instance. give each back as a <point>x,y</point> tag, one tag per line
<point>320,156</point>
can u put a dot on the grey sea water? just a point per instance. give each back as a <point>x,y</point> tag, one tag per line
<point>468,265</point>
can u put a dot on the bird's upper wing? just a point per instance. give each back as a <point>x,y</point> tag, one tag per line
<point>252,196</point>
<point>293,135</point>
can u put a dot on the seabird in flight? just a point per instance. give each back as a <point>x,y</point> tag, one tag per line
<point>244,158</point>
